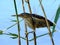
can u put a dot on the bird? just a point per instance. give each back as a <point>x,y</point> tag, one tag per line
<point>34,20</point>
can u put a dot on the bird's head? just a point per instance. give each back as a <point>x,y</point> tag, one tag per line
<point>23,15</point>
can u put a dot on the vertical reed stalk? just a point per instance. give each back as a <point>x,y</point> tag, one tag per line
<point>25,24</point>
<point>29,6</point>
<point>23,6</point>
<point>50,34</point>
<point>26,34</point>
<point>35,43</point>
<point>19,41</point>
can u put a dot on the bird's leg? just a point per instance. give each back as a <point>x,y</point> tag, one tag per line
<point>33,24</point>
<point>34,37</point>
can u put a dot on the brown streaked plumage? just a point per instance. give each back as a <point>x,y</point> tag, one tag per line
<point>34,20</point>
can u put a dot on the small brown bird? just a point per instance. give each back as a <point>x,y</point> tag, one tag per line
<point>34,20</point>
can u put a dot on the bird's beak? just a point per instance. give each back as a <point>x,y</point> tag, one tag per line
<point>17,15</point>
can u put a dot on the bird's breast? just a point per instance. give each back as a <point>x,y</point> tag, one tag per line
<point>30,23</point>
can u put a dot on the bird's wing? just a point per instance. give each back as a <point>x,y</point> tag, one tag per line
<point>40,21</point>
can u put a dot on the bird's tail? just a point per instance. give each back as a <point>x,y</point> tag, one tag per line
<point>50,23</point>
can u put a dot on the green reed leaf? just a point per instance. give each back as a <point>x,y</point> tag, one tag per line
<point>41,36</point>
<point>13,24</point>
<point>12,34</point>
<point>14,20</point>
<point>1,32</point>
<point>14,37</point>
<point>56,18</point>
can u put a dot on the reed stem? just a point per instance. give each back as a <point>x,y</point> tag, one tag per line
<point>35,43</point>
<point>29,6</point>
<point>50,34</point>
<point>26,33</point>
<point>18,26</point>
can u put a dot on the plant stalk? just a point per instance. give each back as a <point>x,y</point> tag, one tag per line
<point>19,41</point>
<point>29,6</point>
<point>35,43</point>
<point>50,34</point>
<point>26,33</point>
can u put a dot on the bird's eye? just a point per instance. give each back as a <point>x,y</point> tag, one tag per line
<point>23,14</point>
